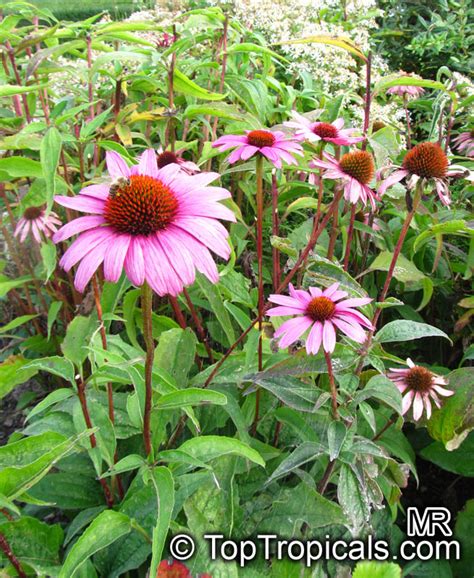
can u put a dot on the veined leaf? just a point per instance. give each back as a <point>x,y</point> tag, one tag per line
<point>339,41</point>
<point>185,85</point>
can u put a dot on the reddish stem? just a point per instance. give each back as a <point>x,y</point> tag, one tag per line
<point>275,232</point>
<point>5,546</point>
<point>150,354</point>
<point>332,385</point>
<point>177,312</point>
<point>350,233</point>
<point>199,328</point>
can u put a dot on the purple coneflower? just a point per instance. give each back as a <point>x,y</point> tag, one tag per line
<point>356,169</point>
<point>419,387</point>
<point>274,145</point>
<point>36,221</point>
<point>426,161</point>
<point>322,131</point>
<point>164,158</point>
<point>464,143</point>
<point>321,311</point>
<point>158,224</point>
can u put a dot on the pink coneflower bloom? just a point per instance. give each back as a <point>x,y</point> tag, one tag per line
<point>426,161</point>
<point>157,224</point>
<point>274,145</point>
<point>36,221</point>
<point>168,157</point>
<point>321,311</point>
<point>407,91</point>
<point>464,143</point>
<point>325,131</point>
<point>419,387</point>
<point>356,169</point>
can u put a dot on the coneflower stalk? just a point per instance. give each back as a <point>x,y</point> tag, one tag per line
<point>146,304</point>
<point>261,298</point>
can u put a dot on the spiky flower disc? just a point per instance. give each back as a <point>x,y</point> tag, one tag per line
<point>359,165</point>
<point>427,160</point>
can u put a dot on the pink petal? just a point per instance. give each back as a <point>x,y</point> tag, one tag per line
<point>97,191</point>
<point>315,337</point>
<point>147,164</point>
<point>442,390</point>
<point>287,301</point>
<point>395,177</point>
<point>353,302</point>
<point>352,331</point>
<point>282,311</point>
<point>293,330</point>
<point>208,231</point>
<point>85,243</point>
<point>329,337</point>
<point>134,262</point>
<point>82,203</point>
<point>90,263</point>
<point>77,226</point>
<point>115,257</point>
<point>116,165</point>
<point>406,401</point>
<point>417,407</point>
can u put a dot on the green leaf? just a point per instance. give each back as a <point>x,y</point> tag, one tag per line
<point>17,322</point>
<point>291,391</point>
<point>20,167</point>
<point>185,85</point>
<point>405,271</point>
<point>381,388</point>
<point>53,311</point>
<point>255,48</point>
<point>456,227</point>
<point>459,461</point>
<point>190,396</point>
<point>51,399</point>
<point>403,330</point>
<point>175,353</point>
<point>108,527</point>
<point>213,295</point>
<point>56,365</point>
<point>451,423</point>
<point>387,82</point>
<point>49,257</point>
<point>12,89</point>
<point>306,452</point>
<point>76,340</point>
<point>464,533</point>
<point>218,109</point>
<point>338,41</point>
<point>164,487</point>
<point>377,570</point>
<point>207,448</point>
<point>336,435</point>
<point>352,498</point>
<point>15,480</point>
<point>50,151</point>
<point>7,285</point>
<point>126,464</point>
<point>13,372</point>
<point>34,543</point>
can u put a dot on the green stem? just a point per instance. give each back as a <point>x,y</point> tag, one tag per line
<point>146,303</point>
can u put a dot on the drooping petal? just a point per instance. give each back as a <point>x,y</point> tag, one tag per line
<point>417,406</point>
<point>315,337</point>
<point>329,337</point>
<point>90,263</point>
<point>115,257</point>
<point>85,243</point>
<point>134,262</point>
<point>293,330</point>
<point>82,203</point>
<point>407,401</point>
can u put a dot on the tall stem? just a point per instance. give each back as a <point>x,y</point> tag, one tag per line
<point>150,354</point>
<point>199,327</point>
<point>332,385</point>
<point>275,232</point>
<point>407,117</point>
<point>261,297</point>
<point>391,269</point>
<point>350,233</point>
<point>367,98</point>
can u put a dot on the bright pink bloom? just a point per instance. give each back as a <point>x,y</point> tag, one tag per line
<point>407,91</point>
<point>356,169</point>
<point>274,145</point>
<point>327,132</point>
<point>426,161</point>
<point>168,158</point>
<point>36,221</point>
<point>157,224</point>
<point>420,386</point>
<point>464,143</point>
<point>323,312</point>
